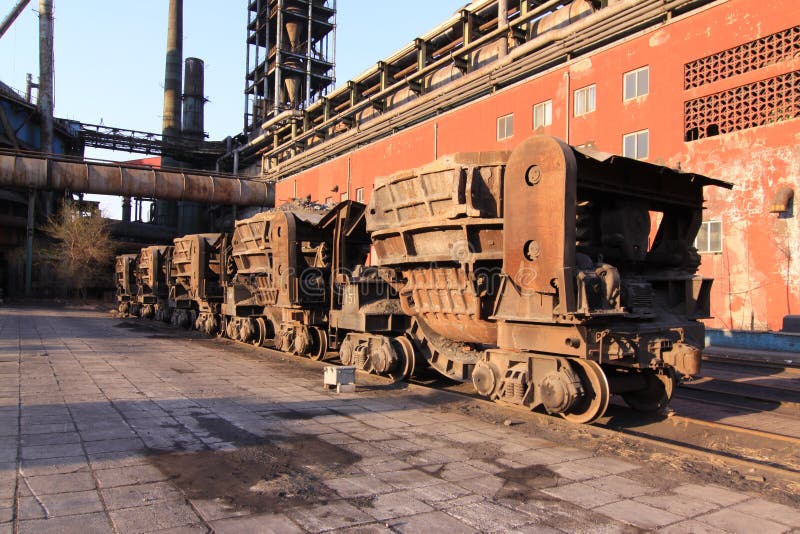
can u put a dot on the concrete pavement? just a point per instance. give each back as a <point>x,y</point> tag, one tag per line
<point>119,426</point>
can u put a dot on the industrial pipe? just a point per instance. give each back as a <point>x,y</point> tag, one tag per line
<point>55,174</point>
<point>15,12</point>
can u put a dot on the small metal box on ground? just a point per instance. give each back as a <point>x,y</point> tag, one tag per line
<point>342,378</point>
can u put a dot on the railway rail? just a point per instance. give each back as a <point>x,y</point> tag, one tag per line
<point>756,454</point>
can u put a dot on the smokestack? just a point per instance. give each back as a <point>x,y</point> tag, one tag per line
<point>190,213</point>
<point>167,211</point>
<point>46,136</point>
<point>193,99</point>
<point>171,125</point>
<point>46,102</point>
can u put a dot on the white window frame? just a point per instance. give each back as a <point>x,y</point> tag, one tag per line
<point>636,76</point>
<point>546,109</point>
<point>345,196</point>
<point>503,132</point>
<point>360,194</point>
<point>636,136</point>
<point>707,227</point>
<point>587,97</point>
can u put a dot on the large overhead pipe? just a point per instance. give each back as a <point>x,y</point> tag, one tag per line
<point>16,11</point>
<point>55,174</point>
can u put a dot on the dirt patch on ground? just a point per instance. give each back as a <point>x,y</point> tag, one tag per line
<point>305,415</point>
<point>261,475</point>
<point>534,476</point>
<point>138,326</point>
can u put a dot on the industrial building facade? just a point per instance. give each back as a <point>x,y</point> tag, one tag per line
<point>707,87</point>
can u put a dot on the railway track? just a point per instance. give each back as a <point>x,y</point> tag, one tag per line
<point>712,434</point>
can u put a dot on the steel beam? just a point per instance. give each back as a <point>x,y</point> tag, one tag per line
<point>16,11</point>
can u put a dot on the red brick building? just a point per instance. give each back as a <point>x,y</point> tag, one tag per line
<point>712,87</point>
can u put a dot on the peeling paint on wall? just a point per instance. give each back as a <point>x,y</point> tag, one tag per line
<point>659,38</point>
<point>758,269</point>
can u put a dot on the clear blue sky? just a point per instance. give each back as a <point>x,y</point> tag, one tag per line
<point>109,56</point>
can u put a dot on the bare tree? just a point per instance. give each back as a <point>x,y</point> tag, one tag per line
<point>83,247</point>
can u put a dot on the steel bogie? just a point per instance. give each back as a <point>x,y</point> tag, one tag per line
<point>379,354</point>
<point>208,323</point>
<point>576,389</point>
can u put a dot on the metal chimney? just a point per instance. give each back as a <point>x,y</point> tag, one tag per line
<point>193,99</point>
<point>190,214</point>
<point>167,212</point>
<point>173,82</point>
<point>46,136</point>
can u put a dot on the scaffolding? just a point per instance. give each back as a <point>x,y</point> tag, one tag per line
<point>290,56</point>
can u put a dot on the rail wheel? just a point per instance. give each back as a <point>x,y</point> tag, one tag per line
<point>260,332</point>
<point>223,324</point>
<point>302,341</point>
<point>346,352</point>
<point>319,343</point>
<point>656,396</point>
<point>596,395</point>
<point>484,378</point>
<point>231,330</point>
<point>408,359</point>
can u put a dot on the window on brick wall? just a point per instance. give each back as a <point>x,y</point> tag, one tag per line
<point>543,114</point>
<point>360,194</point>
<point>709,238</point>
<point>505,127</point>
<point>636,145</point>
<point>345,196</point>
<point>636,83</point>
<point>585,100</point>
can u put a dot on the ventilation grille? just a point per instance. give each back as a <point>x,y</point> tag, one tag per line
<point>781,46</point>
<point>748,106</point>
